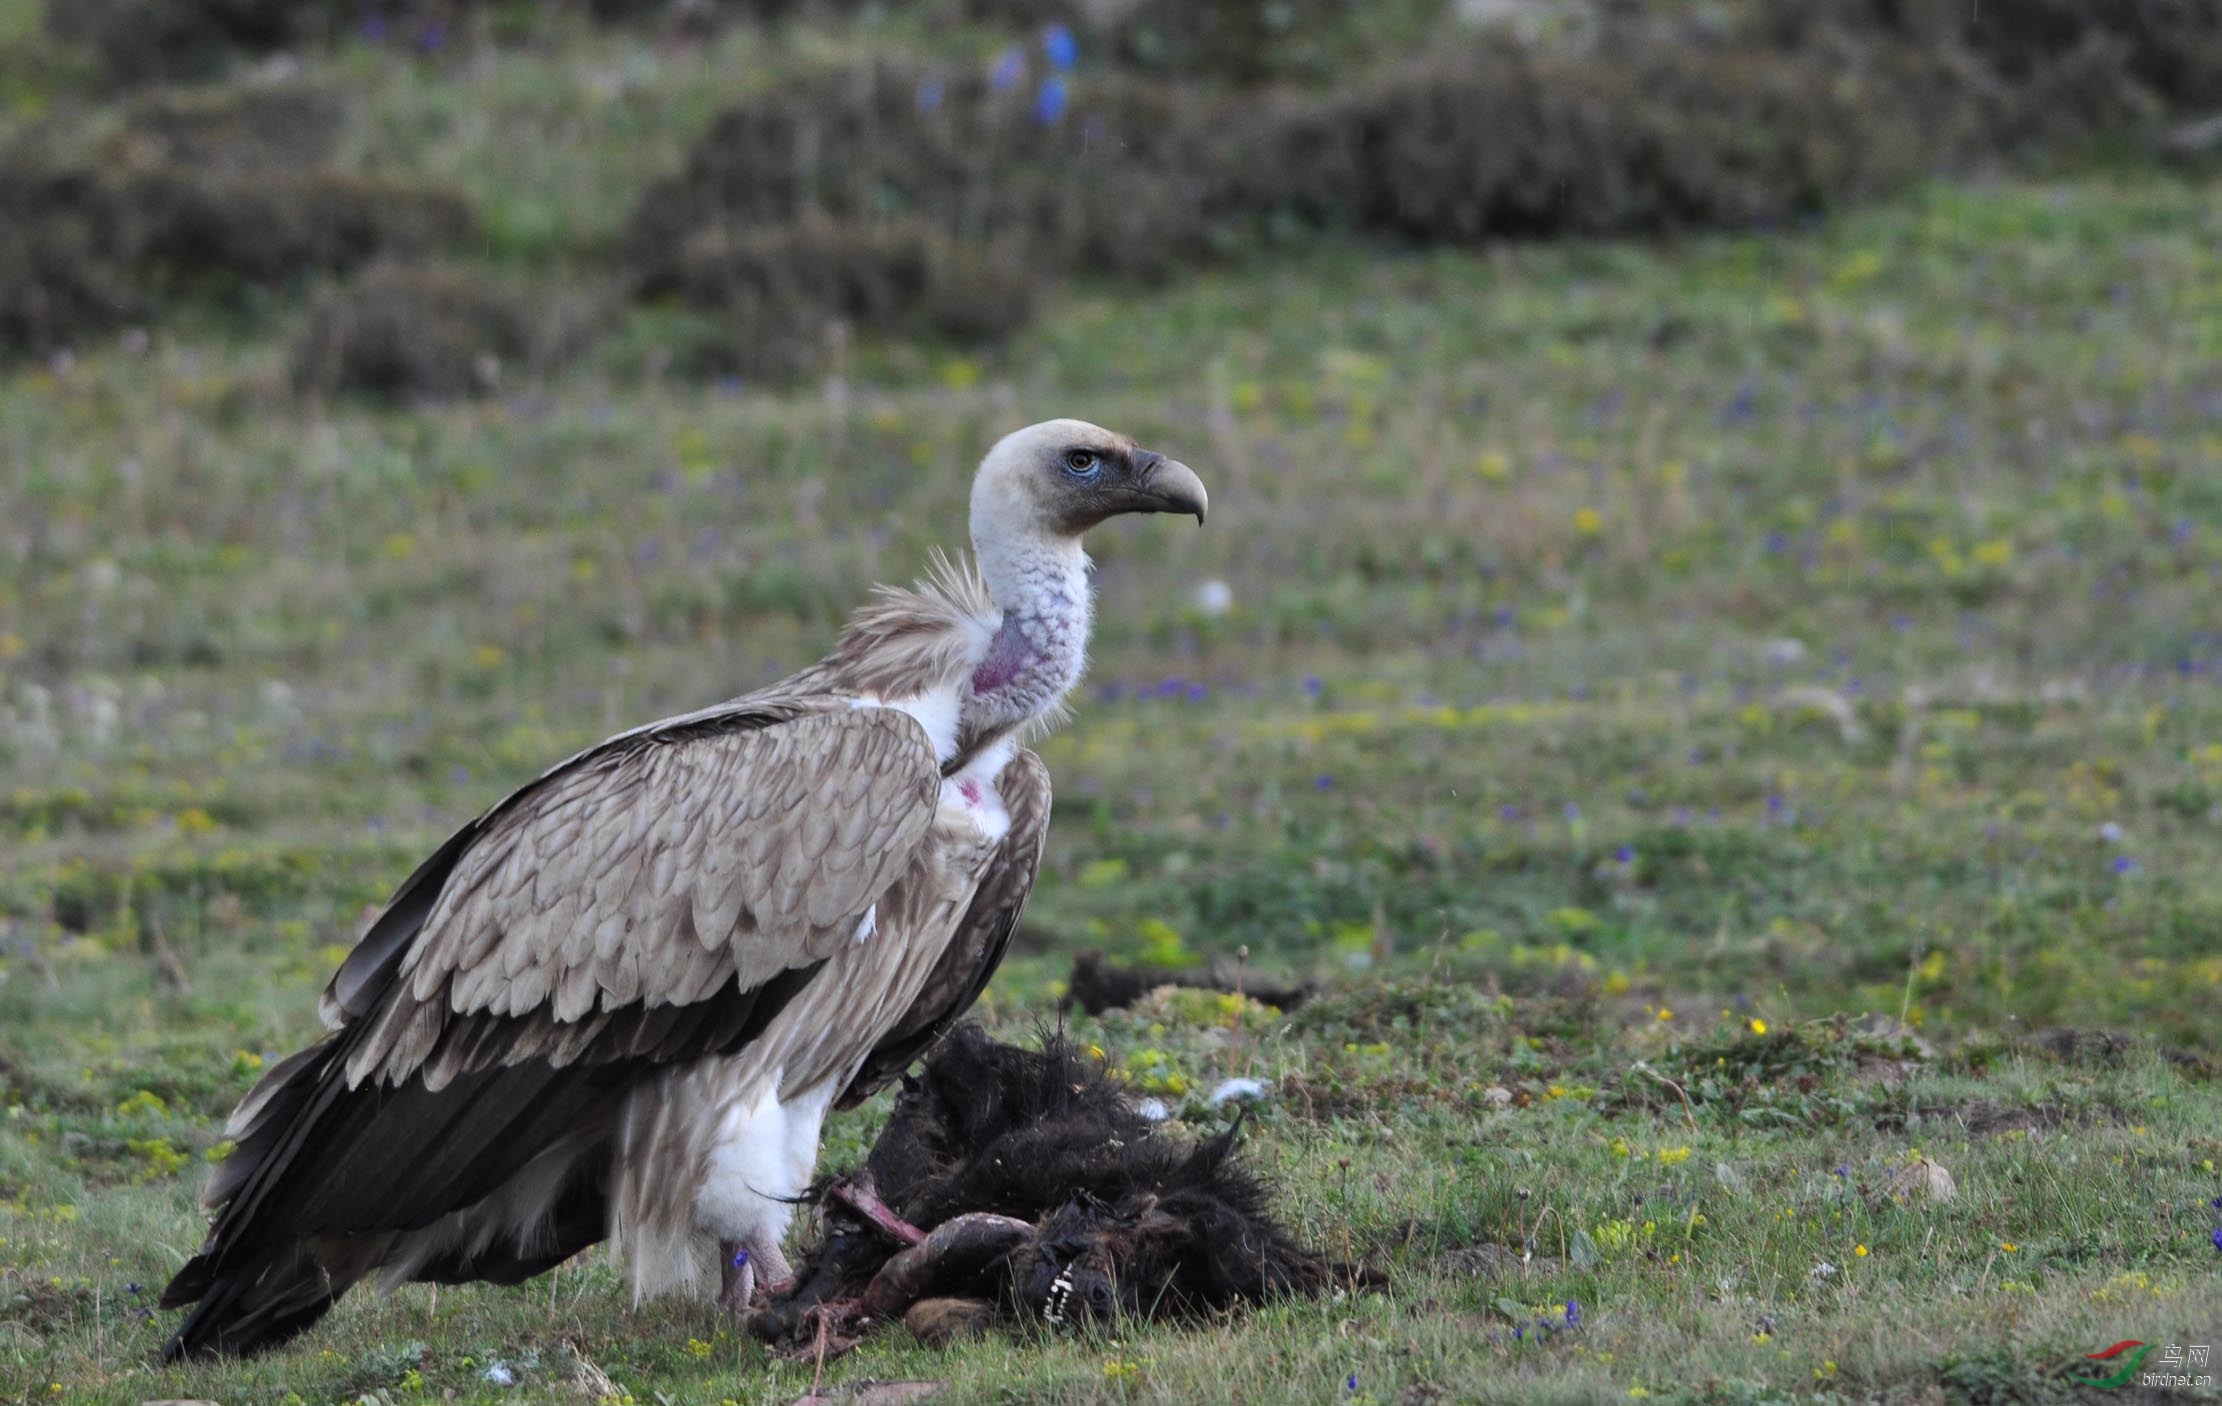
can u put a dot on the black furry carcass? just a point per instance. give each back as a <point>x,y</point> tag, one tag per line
<point>1015,1181</point>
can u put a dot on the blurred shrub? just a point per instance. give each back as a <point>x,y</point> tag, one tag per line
<point>1106,175</point>
<point>1516,141</point>
<point>417,333</point>
<point>146,41</point>
<point>2168,52</point>
<point>279,226</point>
<point>63,267</point>
<point>781,296</point>
<point>231,131</point>
<point>175,206</point>
<point>1239,41</point>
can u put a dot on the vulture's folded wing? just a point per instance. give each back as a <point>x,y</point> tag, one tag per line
<point>653,900</point>
<point>981,939</point>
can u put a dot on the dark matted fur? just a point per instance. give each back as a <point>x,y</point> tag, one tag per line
<point>1096,986</point>
<point>1141,1222</point>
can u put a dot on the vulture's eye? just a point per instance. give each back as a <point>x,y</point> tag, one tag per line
<point>1082,463</point>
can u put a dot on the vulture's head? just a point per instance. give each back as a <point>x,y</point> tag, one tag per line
<point>1055,480</point>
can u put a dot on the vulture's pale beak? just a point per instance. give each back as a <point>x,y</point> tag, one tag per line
<point>1169,486</point>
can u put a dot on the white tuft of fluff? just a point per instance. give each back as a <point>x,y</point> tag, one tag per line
<point>937,712</point>
<point>1230,1090</point>
<point>1214,598</point>
<point>1153,1110</point>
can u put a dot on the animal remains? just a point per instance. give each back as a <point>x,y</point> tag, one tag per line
<point>1017,1182</point>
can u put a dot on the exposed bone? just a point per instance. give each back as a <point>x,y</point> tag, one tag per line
<point>956,1250</point>
<point>861,1196</point>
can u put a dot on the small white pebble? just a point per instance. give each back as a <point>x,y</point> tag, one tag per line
<point>1248,1090</point>
<point>1214,597</point>
<point>1153,1110</point>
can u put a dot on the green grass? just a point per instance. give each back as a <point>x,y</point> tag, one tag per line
<point>1632,648</point>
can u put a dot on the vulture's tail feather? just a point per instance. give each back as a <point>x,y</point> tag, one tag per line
<point>249,1308</point>
<point>329,1183</point>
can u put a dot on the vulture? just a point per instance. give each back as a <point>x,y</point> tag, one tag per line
<point>620,1003</point>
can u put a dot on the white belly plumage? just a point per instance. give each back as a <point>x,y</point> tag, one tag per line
<point>718,1151</point>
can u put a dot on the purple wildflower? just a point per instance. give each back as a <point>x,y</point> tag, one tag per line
<point>1063,52</point>
<point>2218,1237</point>
<point>1049,103</point>
<point>1573,1313</point>
<point>2123,864</point>
<point>1573,811</point>
<point>1010,66</point>
<point>1197,693</point>
<point>1313,685</point>
<point>1625,855</point>
<point>1323,782</point>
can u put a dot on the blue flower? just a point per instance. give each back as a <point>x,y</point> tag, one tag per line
<point>1064,52</point>
<point>2123,864</point>
<point>1010,66</point>
<point>1313,685</point>
<point>1324,782</point>
<point>1049,103</point>
<point>1625,855</point>
<point>930,94</point>
<point>740,1258</point>
<point>2218,1237</point>
<point>1573,811</point>
<point>1573,1313</point>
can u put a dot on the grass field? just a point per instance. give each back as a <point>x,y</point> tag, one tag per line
<point>1722,722</point>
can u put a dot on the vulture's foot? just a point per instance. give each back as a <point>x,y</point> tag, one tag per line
<point>940,1322</point>
<point>752,1270</point>
<point>861,1196</point>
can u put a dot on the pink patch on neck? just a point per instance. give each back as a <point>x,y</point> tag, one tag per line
<point>970,790</point>
<point>1006,657</point>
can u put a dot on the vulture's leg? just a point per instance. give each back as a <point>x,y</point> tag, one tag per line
<point>861,1196</point>
<point>750,1268</point>
<point>740,1277</point>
